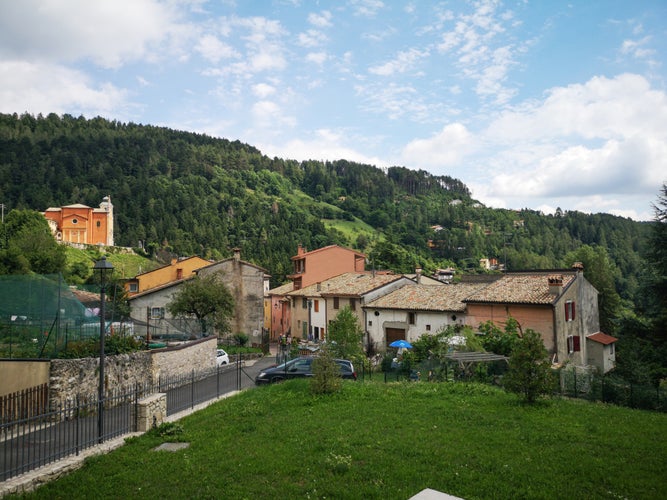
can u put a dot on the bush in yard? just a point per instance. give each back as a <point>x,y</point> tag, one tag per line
<point>529,373</point>
<point>241,339</point>
<point>326,374</point>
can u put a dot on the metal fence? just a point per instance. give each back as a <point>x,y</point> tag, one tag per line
<point>33,441</point>
<point>610,389</point>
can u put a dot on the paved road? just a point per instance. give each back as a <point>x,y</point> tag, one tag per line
<point>50,442</point>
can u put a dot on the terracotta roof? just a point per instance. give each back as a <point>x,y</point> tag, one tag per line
<point>328,247</point>
<point>441,297</point>
<point>602,338</point>
<point>347,285</point>
<point>522,288</point>
<point>282,289</point>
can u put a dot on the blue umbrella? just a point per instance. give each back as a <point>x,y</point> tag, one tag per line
<point>401,343</point>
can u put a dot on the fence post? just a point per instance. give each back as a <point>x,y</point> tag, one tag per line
<point>192,389</point>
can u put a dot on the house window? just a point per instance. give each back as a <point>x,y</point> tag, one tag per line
<point>570,310</point>
<point>304,303</point>
<point>611,348</point>
<point>99,223</point>
<point>75,221</point>
<point>428,328</point>
<point>316,305</point>
<point>573,344</point>
<point>179,274</point>
<point>134,287</point>
<point>353,304</point>
<point>335,304</point>
<point>370,322</point>
<point>411,318</point>
<point>157,312</point>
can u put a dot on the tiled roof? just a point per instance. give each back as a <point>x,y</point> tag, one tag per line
<point>428,297</point>
<point>282,289</point>
<point>347,285</point>
<point>602,338</point>
<point>522,288</point>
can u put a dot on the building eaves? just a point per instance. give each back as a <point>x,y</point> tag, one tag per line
<point>356,284</point>
<point>282,289</point>
<point>602,338</point>
<point>328,247</point>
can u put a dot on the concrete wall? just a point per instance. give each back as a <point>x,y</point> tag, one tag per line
<point>17,375</point>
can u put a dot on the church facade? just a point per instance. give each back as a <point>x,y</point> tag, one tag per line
<point>82,224</point>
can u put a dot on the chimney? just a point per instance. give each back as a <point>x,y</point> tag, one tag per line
<point>578,266</point>
<point>237,253</point>
<point>555,285</point>
<point>418,272</point>
<point>300,250</point>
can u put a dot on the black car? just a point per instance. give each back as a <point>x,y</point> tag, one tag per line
<point>298,368</point>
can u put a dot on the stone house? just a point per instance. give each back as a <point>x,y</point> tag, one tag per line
<point>247,283</point>
<point>601,350</point>
<point>415,310</point>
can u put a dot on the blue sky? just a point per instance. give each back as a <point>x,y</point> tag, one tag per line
<point>535,105</point>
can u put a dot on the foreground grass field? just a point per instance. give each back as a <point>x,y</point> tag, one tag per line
<point>388,441</point>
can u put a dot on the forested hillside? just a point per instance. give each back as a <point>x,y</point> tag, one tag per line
<point>193,194</point>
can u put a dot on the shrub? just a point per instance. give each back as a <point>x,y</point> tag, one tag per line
<point>326,374</point>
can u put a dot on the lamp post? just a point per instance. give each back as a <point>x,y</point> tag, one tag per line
<point>103,267</point>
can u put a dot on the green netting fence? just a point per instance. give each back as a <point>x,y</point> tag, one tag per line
<point>40,315</point>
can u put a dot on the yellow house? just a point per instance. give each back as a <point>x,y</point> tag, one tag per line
<point>178,269</point>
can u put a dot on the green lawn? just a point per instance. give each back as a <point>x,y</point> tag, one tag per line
<point>388,441</point>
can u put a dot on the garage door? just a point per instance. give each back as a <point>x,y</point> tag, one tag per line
<point>395,334</point>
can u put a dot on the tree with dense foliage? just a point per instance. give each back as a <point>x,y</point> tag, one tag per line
<point>345,336</point>
<point>529,373</point>
<point>27,245</point>
<point>206,298</point>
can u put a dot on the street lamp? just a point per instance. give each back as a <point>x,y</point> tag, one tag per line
<point>103,267</point>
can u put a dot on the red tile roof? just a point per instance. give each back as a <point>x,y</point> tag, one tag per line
<point>602,338</point>
<point>522,288</point>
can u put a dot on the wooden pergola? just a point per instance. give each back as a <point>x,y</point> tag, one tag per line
<point>467,359</point>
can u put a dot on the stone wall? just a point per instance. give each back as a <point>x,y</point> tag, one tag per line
<point>71,377</point>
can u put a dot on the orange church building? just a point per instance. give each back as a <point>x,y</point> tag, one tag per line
<point>82,224</point>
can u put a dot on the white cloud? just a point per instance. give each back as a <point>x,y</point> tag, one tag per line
<point>322,20</point>
<point>263,90</point>
<point>47,88</point>
<point>447,148</point>
<point>403,62</point>
<point>366,8</point>
<point>107,33</point>
<point>213,50</point>
<point>325,144</point>
<point>311,38</point>
<point>317,57</point>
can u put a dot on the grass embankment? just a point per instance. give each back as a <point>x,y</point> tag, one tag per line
<point>388,441</point>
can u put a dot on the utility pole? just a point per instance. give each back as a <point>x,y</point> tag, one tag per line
<point>3,212</point>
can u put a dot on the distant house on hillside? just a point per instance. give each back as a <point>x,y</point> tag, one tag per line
<point>323,263</point>
<point>82,224</point>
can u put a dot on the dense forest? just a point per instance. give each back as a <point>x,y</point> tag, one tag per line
<point>179,193</point>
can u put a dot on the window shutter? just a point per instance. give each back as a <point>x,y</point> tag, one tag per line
<point>567,311</point>
<point>573,311</point>
<point>576,343</point>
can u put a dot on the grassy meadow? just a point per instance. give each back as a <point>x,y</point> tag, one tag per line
<point>387,441</point>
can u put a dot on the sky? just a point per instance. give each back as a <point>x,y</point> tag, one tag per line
<point>532,104</point>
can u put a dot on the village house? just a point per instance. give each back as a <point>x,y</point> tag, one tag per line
<point>308,268</point>
<point>332,295</point>
<point>415,310</point>
<point>561,305</point>
<point>176,270</point>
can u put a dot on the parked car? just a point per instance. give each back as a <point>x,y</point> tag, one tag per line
<point>222,358</point>
<point>299,368</point>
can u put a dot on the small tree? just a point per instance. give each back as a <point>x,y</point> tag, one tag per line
<point>345,336</point>
<point>207,299</point>
<point>326,374</point>
<point>529,373</point>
